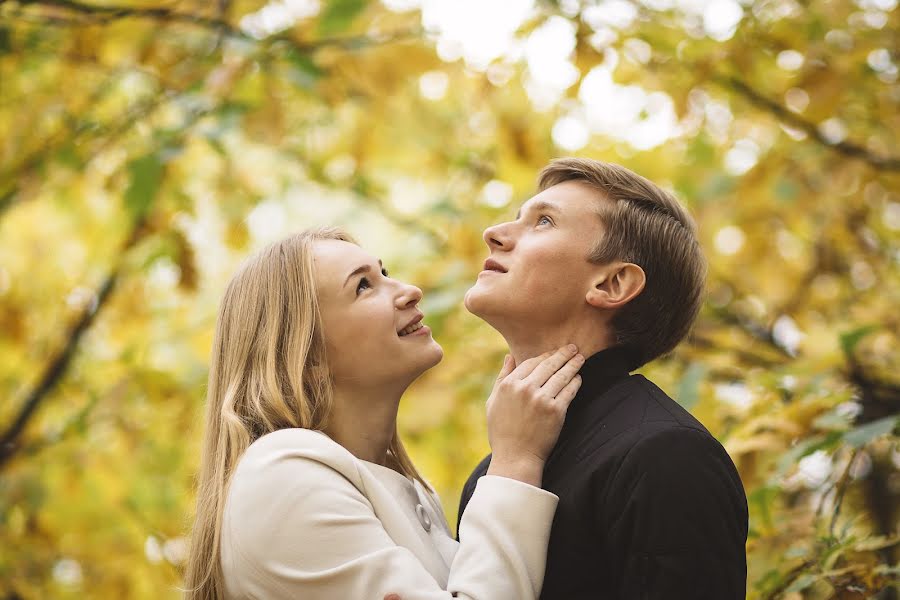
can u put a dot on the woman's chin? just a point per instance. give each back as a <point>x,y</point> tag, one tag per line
<point>429,357</point>
<point>433,356</point>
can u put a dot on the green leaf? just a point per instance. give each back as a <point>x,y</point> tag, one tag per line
<point>786,190</point>
<point>861,436</point>
<point>146,175</point>
<point>5,45</point>
<point>68,156</point>
<point>303,71</point>
<point>876,543</point>
<point>850,339</point>
<point>763,498</point>
<point>689,386</point>
<point>338,15</point>
<point>801,583</point>
<point>805,448</point>
<point>832,420</point>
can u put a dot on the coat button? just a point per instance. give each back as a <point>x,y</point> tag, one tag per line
<point>424,519</point>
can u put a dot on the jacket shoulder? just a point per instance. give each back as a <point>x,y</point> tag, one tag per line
<point>298,447</point>
<point>660,409</point>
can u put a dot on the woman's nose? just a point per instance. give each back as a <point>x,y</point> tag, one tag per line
<point>409,297</point>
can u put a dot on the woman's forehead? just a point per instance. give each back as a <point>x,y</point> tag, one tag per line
<point>335,260</point>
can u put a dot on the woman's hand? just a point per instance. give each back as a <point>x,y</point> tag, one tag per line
<point>526,410</point>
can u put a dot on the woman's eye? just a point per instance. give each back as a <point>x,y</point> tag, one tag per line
<point>544,218</point>
<point>363,284</point>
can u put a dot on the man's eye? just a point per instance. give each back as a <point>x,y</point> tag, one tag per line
<point>363,284</point>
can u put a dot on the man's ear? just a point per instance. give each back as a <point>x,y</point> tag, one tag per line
<point>616,285</point>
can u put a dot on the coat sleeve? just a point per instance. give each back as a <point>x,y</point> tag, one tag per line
<point>305,531</point>
<point>679,519</point>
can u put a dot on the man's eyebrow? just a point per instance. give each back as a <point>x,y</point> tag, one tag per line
<point>540,206</point>
<point>361,269</point>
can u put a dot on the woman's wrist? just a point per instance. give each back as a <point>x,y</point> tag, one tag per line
<point>527,469</point>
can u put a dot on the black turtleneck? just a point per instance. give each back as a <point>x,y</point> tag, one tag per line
<point>651,506</point>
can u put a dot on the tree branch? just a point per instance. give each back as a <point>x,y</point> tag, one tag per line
<point>840,488</point>
<point>103,14</point>
<point>54,371</point>
<point>219,26</point>
<point>851,149</point>
<point>9,440</point>
<point>10,180</point>
<point>756,98</point>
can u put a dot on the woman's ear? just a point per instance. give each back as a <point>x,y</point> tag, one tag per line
<point>616,285</point>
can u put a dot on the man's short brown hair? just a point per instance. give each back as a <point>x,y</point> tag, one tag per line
<point>647,226</point>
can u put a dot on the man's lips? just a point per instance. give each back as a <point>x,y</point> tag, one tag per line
<point>492,265</point>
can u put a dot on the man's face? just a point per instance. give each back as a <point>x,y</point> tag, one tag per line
<point>538,272</point>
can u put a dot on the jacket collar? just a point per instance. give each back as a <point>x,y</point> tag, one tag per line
<point>599,373</point>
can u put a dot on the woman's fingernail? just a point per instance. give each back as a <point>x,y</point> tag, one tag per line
<point>572,348</point>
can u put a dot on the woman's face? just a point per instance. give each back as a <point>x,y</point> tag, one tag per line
<point>374,334</point>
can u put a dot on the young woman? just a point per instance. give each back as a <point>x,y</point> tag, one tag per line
<point>305,490</point>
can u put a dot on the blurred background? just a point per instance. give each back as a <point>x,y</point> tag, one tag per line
<point>147,147</point>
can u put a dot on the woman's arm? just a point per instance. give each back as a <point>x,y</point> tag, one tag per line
<point>300,529</point>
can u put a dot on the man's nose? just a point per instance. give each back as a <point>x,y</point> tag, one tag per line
<point>498,236</point>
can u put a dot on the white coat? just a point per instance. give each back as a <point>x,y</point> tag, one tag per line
<point>306,520</point>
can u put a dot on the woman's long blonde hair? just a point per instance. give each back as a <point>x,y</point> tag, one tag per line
<point>268,371</point>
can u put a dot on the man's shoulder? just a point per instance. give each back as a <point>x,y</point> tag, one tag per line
<point>668,438</point>
<point>661,411</point>
<point>644,426</point>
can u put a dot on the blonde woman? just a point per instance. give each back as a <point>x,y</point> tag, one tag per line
<point>305,490</point>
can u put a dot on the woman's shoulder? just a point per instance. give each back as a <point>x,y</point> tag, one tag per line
<point>292,437</point>
<point>288,488</point>
<point>286,455</point>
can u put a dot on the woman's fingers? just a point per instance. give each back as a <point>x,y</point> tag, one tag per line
<point>559,380</point>
<point>527,366</point>
<point>567,394</point>
<point>527,408</point>
<point>545,370</point>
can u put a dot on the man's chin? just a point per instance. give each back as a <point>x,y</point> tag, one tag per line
<point>478,302</point>
<point>471,301</point>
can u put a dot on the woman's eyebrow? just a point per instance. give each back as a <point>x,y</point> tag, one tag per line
<point>361,269</point>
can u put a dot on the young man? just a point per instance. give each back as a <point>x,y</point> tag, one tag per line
<point>651,506</point>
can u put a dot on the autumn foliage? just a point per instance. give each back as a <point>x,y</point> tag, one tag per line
<point>147,147</point>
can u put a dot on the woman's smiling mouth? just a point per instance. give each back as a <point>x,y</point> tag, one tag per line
<point>411,328</point>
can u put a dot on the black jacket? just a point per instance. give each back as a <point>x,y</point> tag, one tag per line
<point>650,504</point>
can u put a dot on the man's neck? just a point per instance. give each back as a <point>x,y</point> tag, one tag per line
<point>527,343</point>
